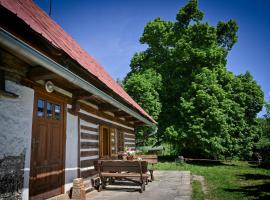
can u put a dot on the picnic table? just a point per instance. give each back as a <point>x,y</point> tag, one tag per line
<point>151,159</point>
<point>131,170</point>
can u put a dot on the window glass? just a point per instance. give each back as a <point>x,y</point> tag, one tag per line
<point>57,111</point>
<point>113,141</point>
<point>49,110</point>
<point>40,110</point>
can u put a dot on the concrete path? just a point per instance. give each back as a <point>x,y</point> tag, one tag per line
<point>168,185</point>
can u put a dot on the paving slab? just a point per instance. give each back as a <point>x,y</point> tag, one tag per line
<point>168,185</point>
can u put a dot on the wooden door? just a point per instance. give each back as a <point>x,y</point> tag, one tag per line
<point>105,143</point>
<point>48,144</point>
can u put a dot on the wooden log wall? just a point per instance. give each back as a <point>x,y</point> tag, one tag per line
<point>129,140</point>
<point>89,151</point>
<point>89,141</point>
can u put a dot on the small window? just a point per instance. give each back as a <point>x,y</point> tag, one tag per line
<point>57,112</point>
<point>120,141</point>
<point>49,110</point>
<point>40,110</point>
<point>113,141</point>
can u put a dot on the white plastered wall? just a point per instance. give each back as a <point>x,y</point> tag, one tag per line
<point>16,126</point>
<point>71,163</point>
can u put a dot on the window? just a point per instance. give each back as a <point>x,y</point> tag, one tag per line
<point>40,109</point>
<point>120,141</point>
<point>49,110</point>
<point>113,142</point>
<point>52,111</point>
<point>57,112</point>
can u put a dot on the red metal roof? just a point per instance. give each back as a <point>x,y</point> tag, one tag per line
<point>41,23</point>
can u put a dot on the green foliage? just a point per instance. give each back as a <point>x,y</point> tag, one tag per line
<point>226,34</point>
<point>267,107</point>
<point>263,145</point>
<point>145,87</point>
<point>188,13</point>
<point>248,95</point>
<point>202,108</point>
<point>215,123</point>
<point>145,136</point>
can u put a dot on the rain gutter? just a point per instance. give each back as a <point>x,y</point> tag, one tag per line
<point>24,50</point>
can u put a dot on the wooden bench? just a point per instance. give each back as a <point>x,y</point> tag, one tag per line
<point>123,169</point>
<point>151,159</point>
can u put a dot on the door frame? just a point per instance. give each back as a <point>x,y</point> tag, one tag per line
<point>40,92</point>
<point>101,142</point>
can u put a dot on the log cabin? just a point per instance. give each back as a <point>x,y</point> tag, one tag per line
<point>59,109</point>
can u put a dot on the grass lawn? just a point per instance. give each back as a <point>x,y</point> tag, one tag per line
<point>197,193</point>
<point>227,181</point>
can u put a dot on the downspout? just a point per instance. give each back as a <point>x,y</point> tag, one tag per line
<point>24,50</point>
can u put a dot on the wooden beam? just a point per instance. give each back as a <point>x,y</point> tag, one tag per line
<point>94,120</point>
<point>75,107</point>
<point>2,80</point>
<point>40,73</point>
<point>121,114</point>
<point>107,107</point>
<point>138,123</point>
<point>82,95</point>
<point>104,115</point>
<point>131,119</point>
<point>135,121</point>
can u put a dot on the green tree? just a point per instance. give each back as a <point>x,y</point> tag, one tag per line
<point>205,110</point>
<point>249,95</point>
<point>145,88</point>
<point>263,145</point>
<point>213,123</point>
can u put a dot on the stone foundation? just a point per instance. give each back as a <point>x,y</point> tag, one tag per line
<point>11,177</point>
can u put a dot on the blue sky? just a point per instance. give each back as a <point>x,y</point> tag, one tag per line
<point>109,30</point>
